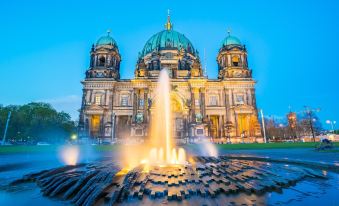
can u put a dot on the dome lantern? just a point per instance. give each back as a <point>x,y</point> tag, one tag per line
<point>106,40</point>
<point>230,40</point>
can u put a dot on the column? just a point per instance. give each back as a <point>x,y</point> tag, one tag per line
<point>145,105</point>
<point>228,60</point>
<point>92,96</point>
<point>106,97</point>
<point>113,125</point>
<point>232,97</point>
<point>112,100</point>
<point>88,96</point>
<point>249,97</point>
<point>202,102</point>
<point>95,61</point>
<point>192,105</point>
<point>135,102</point>
<point>222,126</point>
<point>227,104</point>
<point>235,120</point>
<point>116,131</point>
<point>219,126</point>
<point>254,103</point>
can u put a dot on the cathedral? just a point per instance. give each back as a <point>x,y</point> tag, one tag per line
<point>221,110</point>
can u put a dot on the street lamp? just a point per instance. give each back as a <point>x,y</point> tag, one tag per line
<point>74,137</point>
<point>332,123</point>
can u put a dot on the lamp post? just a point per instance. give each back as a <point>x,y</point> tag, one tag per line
<point>6,127</point>
<point>332,123</point>
<point>263,125</point>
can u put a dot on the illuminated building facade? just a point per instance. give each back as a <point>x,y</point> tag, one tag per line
<point>223,109</point>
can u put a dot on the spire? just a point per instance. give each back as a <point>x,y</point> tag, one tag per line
<point>205,63</point>
<point>108,32</point>
<point>229,31</point>
<point>168,25</point>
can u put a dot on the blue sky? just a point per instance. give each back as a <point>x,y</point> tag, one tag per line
<point>292,46</point>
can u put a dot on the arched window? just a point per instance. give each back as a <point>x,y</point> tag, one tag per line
<point>98,100</point>
<point>235,61</point>
<point>102,61</point>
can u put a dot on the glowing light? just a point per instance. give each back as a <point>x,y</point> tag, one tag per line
<point>324,172</point>
<point>181,156</point>
<point>74,137</point>
<point>174,159</point>
<point>124,171</point>
<point>69,154</point>
<point>144,161</point>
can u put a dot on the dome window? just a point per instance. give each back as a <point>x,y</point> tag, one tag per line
<point>102,61</point>
<point>235,61</point>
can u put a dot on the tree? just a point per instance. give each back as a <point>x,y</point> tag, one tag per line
<point>309,121</point>
<point>36,121</point>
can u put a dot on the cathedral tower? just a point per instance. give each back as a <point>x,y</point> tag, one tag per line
<point>242,115</point>
<point>96,117</point>
<point>105,59</point>
<point>232,59</point>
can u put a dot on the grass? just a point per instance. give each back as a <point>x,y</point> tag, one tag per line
<point>10,149</point>
<point>105,148</point>
<point>280,145</point>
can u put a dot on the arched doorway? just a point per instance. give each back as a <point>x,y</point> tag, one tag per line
<point>179,116</point>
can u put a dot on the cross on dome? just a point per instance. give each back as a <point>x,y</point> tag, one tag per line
<point>168,25</point>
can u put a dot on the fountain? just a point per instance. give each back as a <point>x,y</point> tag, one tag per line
<point>160,173</point>
<point>163,149</point>
<point>69,154</point>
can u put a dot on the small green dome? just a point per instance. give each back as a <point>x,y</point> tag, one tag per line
<point>106,40</point>
<point>230,40</point>
<point>168,39</point>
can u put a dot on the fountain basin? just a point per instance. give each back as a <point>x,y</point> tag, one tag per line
<point>105,183</point>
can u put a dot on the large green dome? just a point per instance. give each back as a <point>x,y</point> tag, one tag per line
<point>168,39</point>
<point>230,40</point>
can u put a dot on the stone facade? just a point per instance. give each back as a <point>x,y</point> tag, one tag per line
<point>222,109</point>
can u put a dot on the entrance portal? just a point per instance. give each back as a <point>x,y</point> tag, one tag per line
<point>95,125</point>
